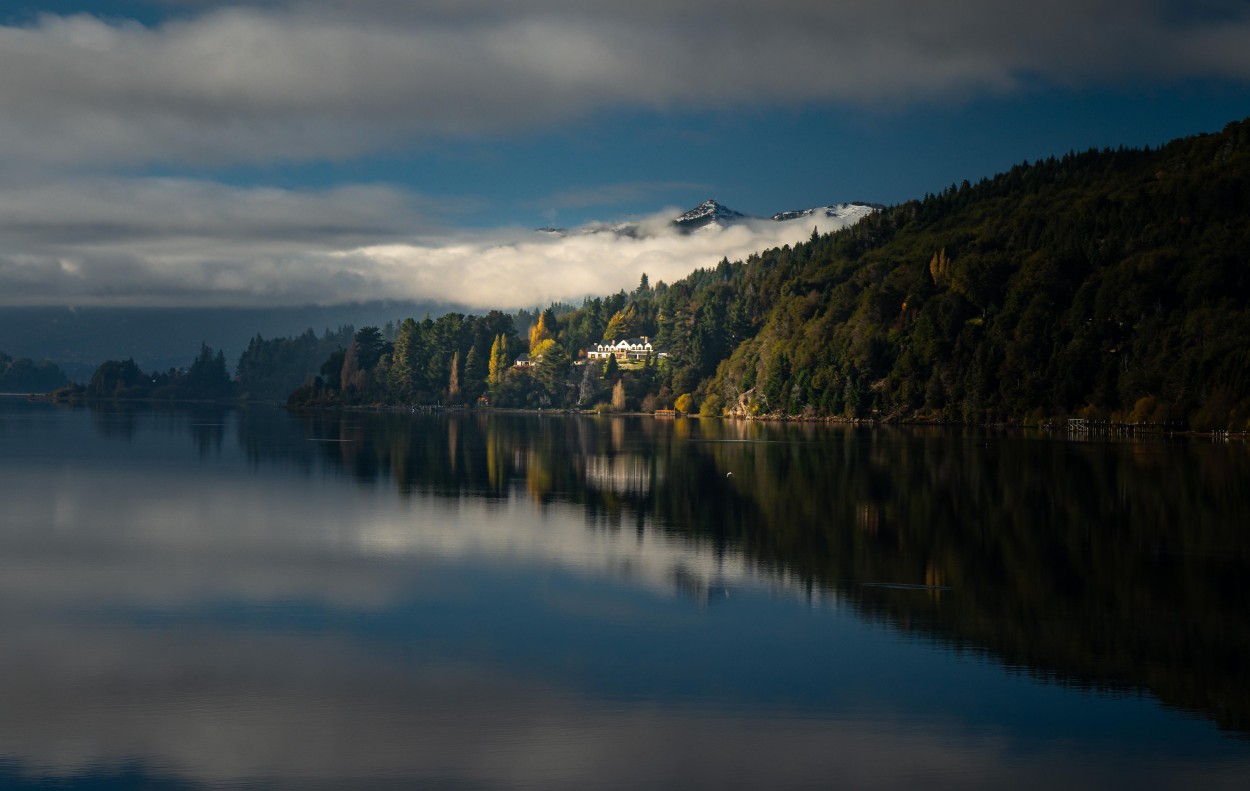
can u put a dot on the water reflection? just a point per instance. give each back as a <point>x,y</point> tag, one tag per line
<point>1114,565</point>
<point>242,596</point>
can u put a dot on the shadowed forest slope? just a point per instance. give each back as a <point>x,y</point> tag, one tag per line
<point>1107,283</point>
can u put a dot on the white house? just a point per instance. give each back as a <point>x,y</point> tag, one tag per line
<point>626,349</point>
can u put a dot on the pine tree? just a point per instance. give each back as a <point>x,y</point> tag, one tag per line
<point>473,375</point>
<point>400,378</point>
<point>369,347</point>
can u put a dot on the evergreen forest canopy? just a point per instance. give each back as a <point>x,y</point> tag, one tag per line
<point>1108,284</point>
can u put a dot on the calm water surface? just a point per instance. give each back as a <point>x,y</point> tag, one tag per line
<point>209,598</point>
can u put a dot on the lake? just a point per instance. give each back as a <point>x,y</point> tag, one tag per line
<point>242,598</point>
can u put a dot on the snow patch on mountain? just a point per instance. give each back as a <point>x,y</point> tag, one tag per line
<point>707,213</point>
<point>711,215</point>
<point>852,212</point>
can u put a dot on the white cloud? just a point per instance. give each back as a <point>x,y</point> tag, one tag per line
<point>116,241</point>
<point>180,242</point>
<point>534,270</point>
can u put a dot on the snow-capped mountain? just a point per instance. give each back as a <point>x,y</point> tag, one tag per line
<point>711,213</point>
<point>707,213</point>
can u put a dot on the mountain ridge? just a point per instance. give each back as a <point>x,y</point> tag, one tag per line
<point>712,212</point>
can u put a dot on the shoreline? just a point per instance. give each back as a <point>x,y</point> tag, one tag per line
<point>1092,429</point>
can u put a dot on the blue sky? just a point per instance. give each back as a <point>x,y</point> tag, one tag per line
<point>292,151</point>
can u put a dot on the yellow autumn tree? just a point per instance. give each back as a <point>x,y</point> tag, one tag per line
<point>541,348</point>
<point>498,362</point>
<point>684,403</point>
<point>623,324</point>
<point>939,267</point>
<point>544,329</point>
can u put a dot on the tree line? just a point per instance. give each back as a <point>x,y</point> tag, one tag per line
<point>206,378</point>
<point>24,375</point>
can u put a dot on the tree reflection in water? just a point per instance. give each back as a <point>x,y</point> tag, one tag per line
<point>1110,565</point>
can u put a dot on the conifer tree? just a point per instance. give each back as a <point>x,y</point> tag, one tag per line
<point>400,378</point>
<point>369,347</point>
<point>473,375</point>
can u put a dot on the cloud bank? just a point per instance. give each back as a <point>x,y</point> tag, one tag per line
<point>305,79</point>
<point>173,242</point>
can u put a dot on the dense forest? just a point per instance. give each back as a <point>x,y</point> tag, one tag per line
<point>1108,284</point>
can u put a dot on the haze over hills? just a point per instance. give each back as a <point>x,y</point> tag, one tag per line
<point>78,339</point>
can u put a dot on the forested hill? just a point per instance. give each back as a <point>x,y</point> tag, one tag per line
<point>1107,283</point>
